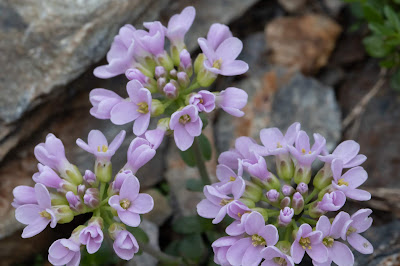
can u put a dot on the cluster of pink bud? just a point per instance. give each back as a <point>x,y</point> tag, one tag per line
<point>61,192</point>
<point>280,217</point>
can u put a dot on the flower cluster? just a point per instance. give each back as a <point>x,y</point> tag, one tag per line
<point>162,83</point>
<point>61,192</point>
<point>278,218</point>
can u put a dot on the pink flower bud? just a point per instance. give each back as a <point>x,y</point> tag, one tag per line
<point>273,195</point>
<point>285,216</point>
<point>287,190</point>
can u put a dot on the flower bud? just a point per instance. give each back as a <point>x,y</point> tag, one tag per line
<point>285,202</point>
<point>287,190</point>
<point>81,190</point>
<point>91,197</point>
<point>285,216</point>
<point>119,180</point>
<point>74,201</point>
<point>302,173</point>
<point>332,201</point>
<point>249,203</point>
<point>173,74</point>
<point>170,91</point>
<point>73,175</point>
<point>90,178</point>
<point>315,211</point>
<point>205,78</point>
<point>263,212</point>
<point>165,60</point>
<point>160,72</point>
<point>297,203</point>
<point>161,83</point>
<point>66,186</point>
<point>103,171</point>
<point>302,188</point>
<point>136,74</point>
<point>186,63</point>
<point>183,79</point>
<point>63,214</point>
<point>273,195</point>
<point>323,178</point>
<point>252,191</point>
<point>284,167</point>
<point>198,63</point>
<point>157,107</point>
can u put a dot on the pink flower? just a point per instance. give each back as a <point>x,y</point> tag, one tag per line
<point>155,136</point>
<point>47,177</point>
<point>98,145</point>
<point>347,152</point>
<point>51,153</point>
<point>232,100</point>
<point>153,40</point>
<point>230,182</point>
<point>139,153</point>
<point>138,108</point>
<point>23,195</point>
<point>217,34</point>
<point>247,251</point>
<point>65,251</point>
<point>203,100</point>
<point>222,60</point>
<point>178,25</point>
<point>349,182</point>
<point>241,151</point>
<point>332,201</point>
<point>285,216</point>
<point>308,241</point>
<point>186,125</point>
<point>125,245</point>
<point>302,152</point>
<point>121,55</point>
<point>92,236</point>
<point>37,216</point>
<point>103,101</point>
<point>274,257</point>
<point>220,248</point>
<point>130,203</point>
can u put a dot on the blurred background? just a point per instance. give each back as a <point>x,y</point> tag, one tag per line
<point>312,61</point>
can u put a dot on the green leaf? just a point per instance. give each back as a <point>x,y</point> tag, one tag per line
<point>205,147</point>
<point>380,29</point>
<point>105,256</point>
<point>139,234</point>
<point>213,235</point>
<point>188,157</point>
<point>191,224</point>
<point>395,80</point>
<point>192,247</point>
<point>375,46</point>
<point>173,248</point>
<point>372,14</point>
<point>392,16</point>
<point>195,185</point>
<point>387,63</point>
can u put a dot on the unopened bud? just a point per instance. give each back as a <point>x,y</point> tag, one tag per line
<point>186,63</point>
<point>81,190</point>
<point>160,72</point>
<point>285,202</point>
<point>91,198</point>
<point>297,203</point>
<point>58,199</point>
<point>284,166</point>
<point>161,83</point>
<point>302,188</point>
<point>183,79</point>
<point>173,74</point>
<point>165,60</point>
<point>170,91</point>
<point>74,201</point>
<point>249,203</point>
<point>73,175</point>
<point>285,216</point>
<point>252,191</point>
<point>205,77</point>
<point>287,190</point>
<point>323,178</point>
<point>90,178</point>
<point>302,173</point>
<point>273,195</point>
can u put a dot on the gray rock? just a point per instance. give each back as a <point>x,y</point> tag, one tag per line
<point>161,211</point>
<point>307,101</point>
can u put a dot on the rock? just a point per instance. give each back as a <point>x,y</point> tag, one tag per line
<point>161,211</point>
<point>376,130</point>
<point>292,5</point>
<point>307,101</point>
<point>386,242</point>
<point>303,43</point>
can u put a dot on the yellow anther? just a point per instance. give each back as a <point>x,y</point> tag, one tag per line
<point>232,178</point>
<point>309,152</point>
<point>143,108</point>
<point>341,182</point>
<point>103,148</point>
<point>305,243</point>
<point>328,241</point>
<point>45,214</point>
<point>258,240</point>
<point>217,63</point>
<point>225,201</point>
<point>350,231</point>
<point>125,203</point>
<point>184,119</point>
<point>303,151</point>
<point>278,145</point>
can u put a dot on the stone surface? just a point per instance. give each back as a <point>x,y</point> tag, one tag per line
<point>376,129</point>
<point>303,43</point>
<point>161,211</point>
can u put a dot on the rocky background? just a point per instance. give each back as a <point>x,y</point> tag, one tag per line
<point>305,65</point>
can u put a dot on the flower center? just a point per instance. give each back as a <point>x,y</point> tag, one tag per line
<point>45,214</point>
<point>125,203</point>
<point>350,231</point>
<point>280,261</point>
<point>278,145</point>
<point>201,100</point>
<point>258,240</point>
<point>143,108</point>
<point>225,201</point>
<point>341,182</point>
<point>305,243</point>
<point>103,148</point>
<point>328,241</point>
<point>184,119</point>
<point>241,214</point>
<point>217,63</point>
<point>232,178</point>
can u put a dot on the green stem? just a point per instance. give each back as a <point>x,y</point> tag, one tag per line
<point>102,189</point>
<point>311,196</point>
<point>104,201</point>
<point>272,213</point>
<point>288,231</point>
<point>200,162</point>
<point>193,86</point>
<point>108,219</point>
<point>309,221</point>
<point>158,254</point>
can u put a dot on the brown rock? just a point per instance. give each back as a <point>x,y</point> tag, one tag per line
<point>303,43</point>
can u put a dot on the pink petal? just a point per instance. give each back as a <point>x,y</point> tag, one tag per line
<point>116,143</point>
<point>124,112</point>
<point>207,209</point>
<point>358,194</point>
<point>182,138</point>
<point>224,173</point>
<point>234,68</point>
<point>270,234</point>
<point>270,137</point>
<point>142,204</point>
<point>254,223</point>
<point>297,252</point>
<point>27,213</point>
<point>359,243</point>
<point>96,139</point>
<point>252,256</point>
<point>129,218</point>
<point>42,196</point>
<point>236,251</point>
<point>194,128</point>
<point>355,176</point>
<point>141,124</point>
<point>130,188</point>
<point>35,227</point>
<point>341,254</point>
<point>324,225</point>
<point>229,49</point>
<point>319,253</point>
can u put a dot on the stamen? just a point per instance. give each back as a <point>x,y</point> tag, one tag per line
<point>278,145</point>
<point>225,201</point>
<point>305,243</point>
<point>350,231</point>
<point>258,240</point>
<point>341,182</point>
<point>280,261</point>
<point>125,203</point>
<point>103,148</point>
<point>232,178</point>
<point>328,241</point>
<point>217,63</point>
<point>143,108</point>
<point>45,214</point>
<point>184,119</point>
<point>303,151</point>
